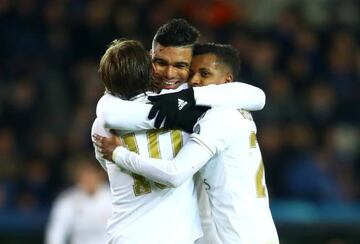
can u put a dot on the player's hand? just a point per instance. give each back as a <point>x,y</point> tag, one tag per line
<point>106,145</point>
<point>168,105</point>
<point>185,119</point>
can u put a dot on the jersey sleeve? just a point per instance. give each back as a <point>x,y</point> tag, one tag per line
<point>169,172</point>
<point>120,114</point>
<point>98,129</point>
<point>234,94</point>
<point>215,130</point>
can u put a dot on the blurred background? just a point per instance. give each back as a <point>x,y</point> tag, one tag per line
<point>304,54</point>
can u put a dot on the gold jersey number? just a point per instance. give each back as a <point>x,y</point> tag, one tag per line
<point>141,184</point>
<point>259,177</point>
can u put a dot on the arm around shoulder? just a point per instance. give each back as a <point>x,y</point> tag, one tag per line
<point>171,173</point>
<point>120,114</point>
<point>234,94</point>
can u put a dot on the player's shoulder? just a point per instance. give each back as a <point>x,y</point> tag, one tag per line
<point>96,126</point>
<point>223,114</point>
<point>102,102</point>
<point>67,196</point>
<point>230,120</point>
<point>105,97</point>
<point>107,103</point>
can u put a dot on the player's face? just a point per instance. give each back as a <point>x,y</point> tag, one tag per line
<point>205,70</point>
<point>88,179</point>
<point>171,65</point>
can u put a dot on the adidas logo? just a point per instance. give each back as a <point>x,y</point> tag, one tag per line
<point>181,103</point>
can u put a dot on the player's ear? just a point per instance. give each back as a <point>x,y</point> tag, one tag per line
<point>229,78</point>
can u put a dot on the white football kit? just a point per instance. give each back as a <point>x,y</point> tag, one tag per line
<point>77,217</point>
<point>143,209</point>
<point>234,177</point>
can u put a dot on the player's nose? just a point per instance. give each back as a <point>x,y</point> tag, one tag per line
<point>170,72</point>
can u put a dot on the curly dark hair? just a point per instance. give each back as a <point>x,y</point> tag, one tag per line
<point>224,53</point>
<point>176,32</point>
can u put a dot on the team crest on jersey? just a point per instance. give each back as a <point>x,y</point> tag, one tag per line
<point>197,129</point>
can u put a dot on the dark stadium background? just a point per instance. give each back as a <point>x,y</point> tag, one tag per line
<point>304,54</point>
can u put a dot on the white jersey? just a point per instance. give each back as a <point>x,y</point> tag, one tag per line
<point>207,221</point>
<point>234,178</point>
<point>79,218</point>
<point>114,113</point>
<point>143,210</point>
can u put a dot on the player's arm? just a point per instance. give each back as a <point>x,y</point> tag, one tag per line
<point>168,172</point>
<point>119,114</point>
<point>98,129</point>
<point>169,109</point>
<point>234,94</point>
<point>173,173</point>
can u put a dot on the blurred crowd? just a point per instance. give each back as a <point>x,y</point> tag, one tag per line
<point>306,57</point>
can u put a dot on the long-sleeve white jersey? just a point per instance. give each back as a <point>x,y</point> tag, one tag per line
<point>78,218</point>
<point>143,210</point>
<point>132,115</point>
<point>129,116</point>
<point>234,177</point>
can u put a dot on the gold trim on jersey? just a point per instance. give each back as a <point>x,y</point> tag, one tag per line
<point>260,188</point>
<point>196,139</point>
<point>154,147</point>
<point>141,184</point>
<point>153,143</point>
<point>253,139</point>
<point>176,141</point>
<point>130,142</point>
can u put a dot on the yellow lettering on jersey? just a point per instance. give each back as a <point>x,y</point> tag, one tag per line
<point>130,142</point>
<point>176,141</point>
<point>260,188</point>
<point>154,148</point>
<point>141,185</point>
<point>153,143</point>
<point>253,140</point>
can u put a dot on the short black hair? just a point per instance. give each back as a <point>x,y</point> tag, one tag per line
<point>224,53</point>
<point>125,68</point>
<point>176,33</point>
